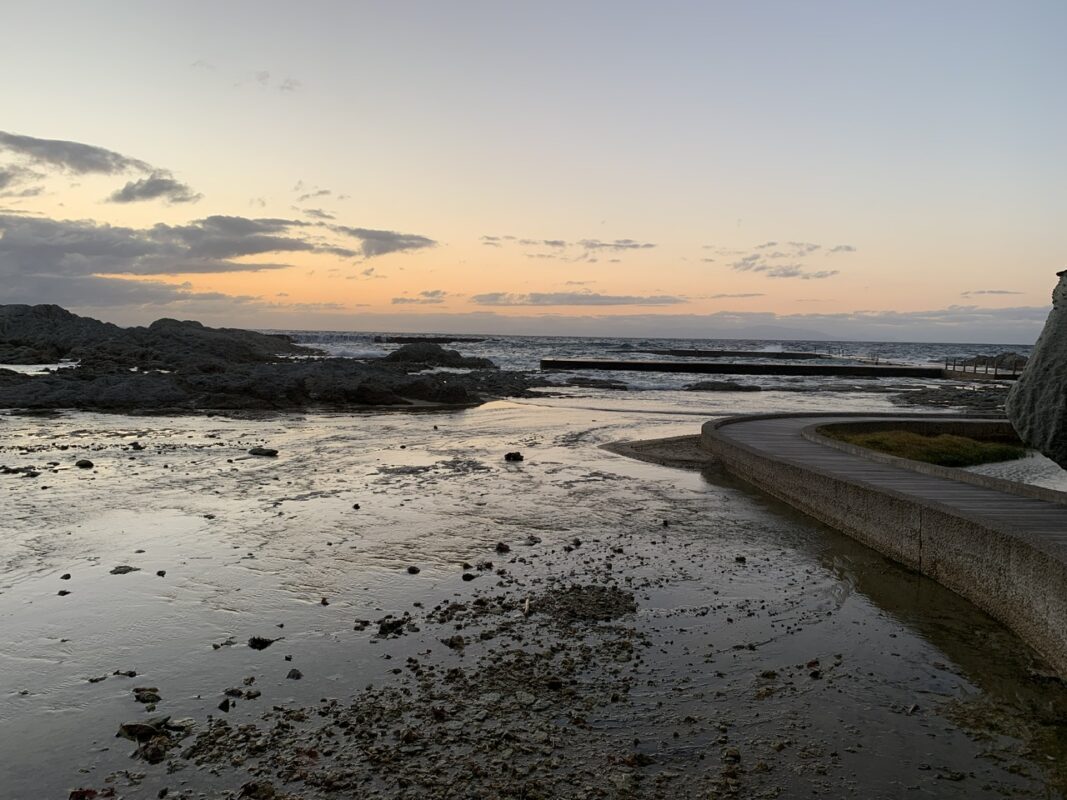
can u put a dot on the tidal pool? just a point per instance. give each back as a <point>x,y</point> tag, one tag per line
<point>580,624</point>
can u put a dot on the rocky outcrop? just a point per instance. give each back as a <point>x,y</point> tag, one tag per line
<point>185,366</point>
<point>46,334</point>
<point>433,355</point>
<point>1037,403</point>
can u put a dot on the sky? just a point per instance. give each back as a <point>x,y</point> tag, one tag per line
<point>843,169</point>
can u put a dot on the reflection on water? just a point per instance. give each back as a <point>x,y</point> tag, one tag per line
<point>913,684</point>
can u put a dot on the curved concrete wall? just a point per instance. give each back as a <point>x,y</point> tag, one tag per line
<point>993,428</point>
<point>1017,577</point>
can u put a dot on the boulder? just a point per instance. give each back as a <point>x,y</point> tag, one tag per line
<point>1037,403</point>
<point>433,355</point>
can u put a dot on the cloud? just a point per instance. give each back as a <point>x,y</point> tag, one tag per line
<point>986,291</point>
<point>380,243</point>
<point>843,248</point>
<point>311,195</point>
<point>318,213</point>
<point>67,249</point>
<point>157,185</point>
<point>289,85</point>
<point>572,299</point>
<point>11,176</point>
<point>589,246</point>
<point>83,159</point>
<point>755,263</point>
<point>429,297</point>
<point>74,157</point>
<point>738,294</point>
<point>617,244</point>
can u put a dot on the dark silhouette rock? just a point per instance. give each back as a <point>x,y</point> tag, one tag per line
<point>1037,403</point>
<point>435,356</point>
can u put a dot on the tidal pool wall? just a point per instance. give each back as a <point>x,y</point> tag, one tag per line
<point>1013,570</point>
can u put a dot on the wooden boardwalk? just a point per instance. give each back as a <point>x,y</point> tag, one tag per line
<point>781,439</point>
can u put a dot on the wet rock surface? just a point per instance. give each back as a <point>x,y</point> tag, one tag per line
<point>737,651</point>
<point>983,398</point>
<point>1037,404</point>
<point>172,365</point>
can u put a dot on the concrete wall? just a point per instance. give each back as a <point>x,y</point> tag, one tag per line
<point>1016,577</point>
<point>971,427</point>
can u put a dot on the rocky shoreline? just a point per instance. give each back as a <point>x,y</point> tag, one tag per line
<point>185,366</point>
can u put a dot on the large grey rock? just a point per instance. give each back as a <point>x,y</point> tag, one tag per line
<point>1037,403</point>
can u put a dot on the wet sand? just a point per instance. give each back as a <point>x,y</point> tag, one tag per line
<point>737,650</point>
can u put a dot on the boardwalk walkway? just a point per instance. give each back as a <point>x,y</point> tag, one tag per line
<point>1005,552</point>
<point>783,438</point>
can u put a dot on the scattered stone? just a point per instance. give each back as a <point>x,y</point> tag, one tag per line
<point>63,592</point>
<point>83,463</point>
<point>65,576</point>
<point>124,569</point>
<point>162,573</point>
<point>267,452</point>
<point>413,570</point>
<point>146,694</point>
<point>516,456</point>
<point>502,548</point>
<point>294,674</point>
<point>260,642</point>
<point>143,730</point>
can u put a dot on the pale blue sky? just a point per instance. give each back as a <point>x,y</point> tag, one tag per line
<point>931,137</point>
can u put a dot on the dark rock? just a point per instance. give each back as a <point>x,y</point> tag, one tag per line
<point>513,456</point>
<point>1037,402</point>
<point>413,570</point>
<point>123,569</point>
<point>260,642</point>
<point>294,674</point>
<point>268,452</point>
<point>63,592</point>
<point>502,548</point>
<point>143,730</point>
<point>83,463</point>
<point>162,573</point>
<point>721,386</point>
<point>146,694</point>
<point>65,576</point>
<point>429,354</point>
<point>224,705</point>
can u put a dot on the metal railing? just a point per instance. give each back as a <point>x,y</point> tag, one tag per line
<point>971,365</point>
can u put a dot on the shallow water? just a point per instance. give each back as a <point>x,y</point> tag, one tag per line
<point>917,692</point>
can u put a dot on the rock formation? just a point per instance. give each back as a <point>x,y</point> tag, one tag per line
<point>1037,403</point>
<point>186,366</point>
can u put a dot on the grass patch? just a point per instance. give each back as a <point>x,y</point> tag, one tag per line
<point>944,449</point>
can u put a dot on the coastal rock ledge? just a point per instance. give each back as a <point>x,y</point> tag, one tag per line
<point>1037,403</point>
<point>181,365</point>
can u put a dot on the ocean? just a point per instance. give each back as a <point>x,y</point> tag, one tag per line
<point>526,352</point>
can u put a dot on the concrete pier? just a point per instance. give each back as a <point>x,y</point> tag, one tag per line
<point>1001,545</point>
<point>727,368</point>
